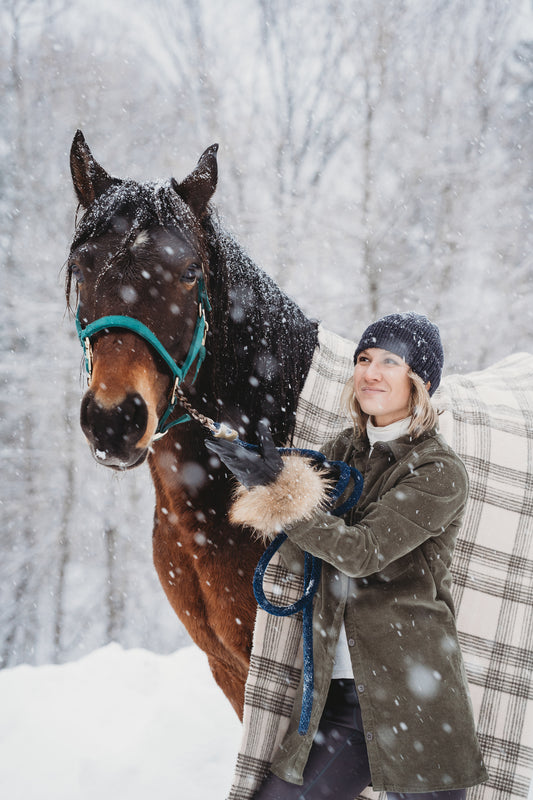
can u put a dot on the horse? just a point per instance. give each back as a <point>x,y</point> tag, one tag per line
<point>149,252</point>
<point>174,316</point>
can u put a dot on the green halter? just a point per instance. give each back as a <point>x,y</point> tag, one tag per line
<point>196,349</point>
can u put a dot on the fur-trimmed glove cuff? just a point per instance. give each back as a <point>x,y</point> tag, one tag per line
<point>298,492</point>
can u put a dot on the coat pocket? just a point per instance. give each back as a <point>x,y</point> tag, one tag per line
<point>394,569</point>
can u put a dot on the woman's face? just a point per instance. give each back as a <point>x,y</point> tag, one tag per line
<point>382,386</point>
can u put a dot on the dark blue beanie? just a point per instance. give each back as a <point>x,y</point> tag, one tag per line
<point>412,337</point>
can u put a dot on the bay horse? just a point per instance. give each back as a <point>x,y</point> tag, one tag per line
<point>145,259</point>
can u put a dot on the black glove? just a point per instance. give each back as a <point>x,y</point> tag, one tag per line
<point>250,467</point>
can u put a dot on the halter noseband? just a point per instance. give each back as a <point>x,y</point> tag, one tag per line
<point>196,349</point>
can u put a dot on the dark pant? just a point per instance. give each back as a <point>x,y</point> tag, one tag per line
<point>338,762</point>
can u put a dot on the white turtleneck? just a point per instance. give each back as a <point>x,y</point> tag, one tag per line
<point>387,433</point>
<point>342,667</point>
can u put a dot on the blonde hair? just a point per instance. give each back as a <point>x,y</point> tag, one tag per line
<point>424,415</point>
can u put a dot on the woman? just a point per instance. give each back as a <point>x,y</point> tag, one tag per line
<point>391,705</point>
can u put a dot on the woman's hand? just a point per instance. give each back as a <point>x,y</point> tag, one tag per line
<point>250,467</point>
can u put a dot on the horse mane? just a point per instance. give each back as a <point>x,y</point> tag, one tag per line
<point>260,343</point>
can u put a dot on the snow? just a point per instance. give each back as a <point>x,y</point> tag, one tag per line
<point>120,724</point>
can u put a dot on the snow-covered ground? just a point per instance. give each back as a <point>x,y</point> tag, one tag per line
<point>117,725</point>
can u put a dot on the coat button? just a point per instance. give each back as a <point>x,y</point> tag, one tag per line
<point>360,687</point>
<point>369,736</point>
<point>351,642</point>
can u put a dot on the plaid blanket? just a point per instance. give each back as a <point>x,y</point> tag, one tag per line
<point>488,419</point>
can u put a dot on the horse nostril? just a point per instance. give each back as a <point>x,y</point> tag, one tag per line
<point>135,414</point>
<point>116,429</point>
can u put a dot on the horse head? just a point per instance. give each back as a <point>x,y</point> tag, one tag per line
<point>139,264</point>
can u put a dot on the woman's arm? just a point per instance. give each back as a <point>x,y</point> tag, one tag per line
<point>421,505</point>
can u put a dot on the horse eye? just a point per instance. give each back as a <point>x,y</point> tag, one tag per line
<point>190,274</point>
<point>77,274</point>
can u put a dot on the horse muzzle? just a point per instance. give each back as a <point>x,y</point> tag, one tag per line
<point>114,432</point>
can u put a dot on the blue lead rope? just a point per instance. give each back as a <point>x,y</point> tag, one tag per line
<point>312,571</point>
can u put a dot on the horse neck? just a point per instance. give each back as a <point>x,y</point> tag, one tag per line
<point>183,477</point>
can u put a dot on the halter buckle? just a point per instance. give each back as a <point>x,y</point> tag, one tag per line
<point>201,315</point>
<point>88,350</point>
<point>175,390</point>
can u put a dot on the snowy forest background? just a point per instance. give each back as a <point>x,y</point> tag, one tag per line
<point>374,156</point>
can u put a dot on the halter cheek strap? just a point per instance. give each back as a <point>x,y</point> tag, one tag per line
<point>196,350</point>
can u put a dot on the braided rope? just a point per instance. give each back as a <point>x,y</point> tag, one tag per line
<point>219,429</point>
<point>207,422</point>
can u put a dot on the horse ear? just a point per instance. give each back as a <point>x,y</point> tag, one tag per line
<point>89,178</point>
<point>198,187</point>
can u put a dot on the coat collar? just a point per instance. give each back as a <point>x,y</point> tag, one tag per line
<point>397,447</point>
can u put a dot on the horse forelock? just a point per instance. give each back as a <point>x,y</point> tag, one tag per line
<point>145,204</point>
<point>149,203</point>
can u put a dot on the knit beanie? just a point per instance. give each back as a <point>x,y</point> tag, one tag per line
<point>412,337</point>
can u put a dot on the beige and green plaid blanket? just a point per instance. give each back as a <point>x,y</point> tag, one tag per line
<point>488,419</point>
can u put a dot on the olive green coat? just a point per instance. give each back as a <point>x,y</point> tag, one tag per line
<point>386,572</point>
